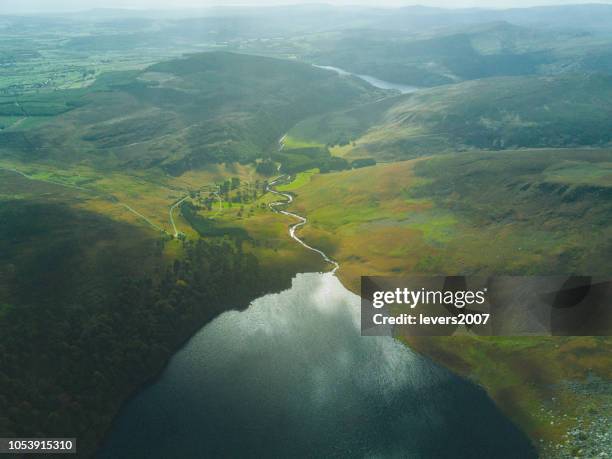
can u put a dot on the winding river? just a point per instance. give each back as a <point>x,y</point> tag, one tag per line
<point>292,377</point>
<point>288,199</point>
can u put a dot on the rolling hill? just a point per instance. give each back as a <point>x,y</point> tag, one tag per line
<point>493,113</point>
<point>177,115</point>
<point>439,57</point>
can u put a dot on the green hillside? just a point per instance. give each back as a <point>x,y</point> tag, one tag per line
<point>488,114</point>
<point>449,53</point>
<point>92,307</point>
<point>180,114</point>
<point>430,59</point>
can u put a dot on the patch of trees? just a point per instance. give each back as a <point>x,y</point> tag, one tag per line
<point>302,159</point>
<point>363,162</point>
<point>266,167</point>
<point>341,139</point>
<point>334,163</point>
<point>207,227</point>
<point>79,334</point>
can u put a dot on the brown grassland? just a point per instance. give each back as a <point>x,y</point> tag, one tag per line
<point>374,221</point>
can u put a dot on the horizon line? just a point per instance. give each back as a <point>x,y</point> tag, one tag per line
<point>298,4</point>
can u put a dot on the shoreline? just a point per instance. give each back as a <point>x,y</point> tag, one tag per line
<point>133,392</point>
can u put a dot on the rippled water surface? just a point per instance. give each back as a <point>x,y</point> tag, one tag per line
<point>291,376</point>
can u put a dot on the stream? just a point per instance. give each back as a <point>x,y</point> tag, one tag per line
<point>302,220</point>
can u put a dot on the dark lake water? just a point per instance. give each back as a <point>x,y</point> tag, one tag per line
<point>291,376</point>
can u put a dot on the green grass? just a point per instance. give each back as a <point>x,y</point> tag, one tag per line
<point>340,127</point>
<point>7,121</point>
<point>438,227</point>
<point>526,377</point>
<point>580,173</point>
<point>474,213</point>
<point>290,143</point>
<point>29,122</point>
<point>301,179</point>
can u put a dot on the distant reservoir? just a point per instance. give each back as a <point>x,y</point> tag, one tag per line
<point>377,83</point>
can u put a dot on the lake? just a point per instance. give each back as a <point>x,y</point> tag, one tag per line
<point>291,376</point>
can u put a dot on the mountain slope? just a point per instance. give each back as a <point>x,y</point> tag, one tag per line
<point>183,114</point>
<point>494,113</point>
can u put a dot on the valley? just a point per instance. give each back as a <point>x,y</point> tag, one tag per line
<point>145,197</point>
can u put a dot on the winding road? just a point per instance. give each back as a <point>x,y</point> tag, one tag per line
<point>216,193</point>
<point>171,212</point>
<point>80,188</point>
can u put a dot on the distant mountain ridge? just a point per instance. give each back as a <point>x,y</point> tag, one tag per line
<point>488,114</point>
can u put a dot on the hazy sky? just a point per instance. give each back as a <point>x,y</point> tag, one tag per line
<point>10,6</point>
